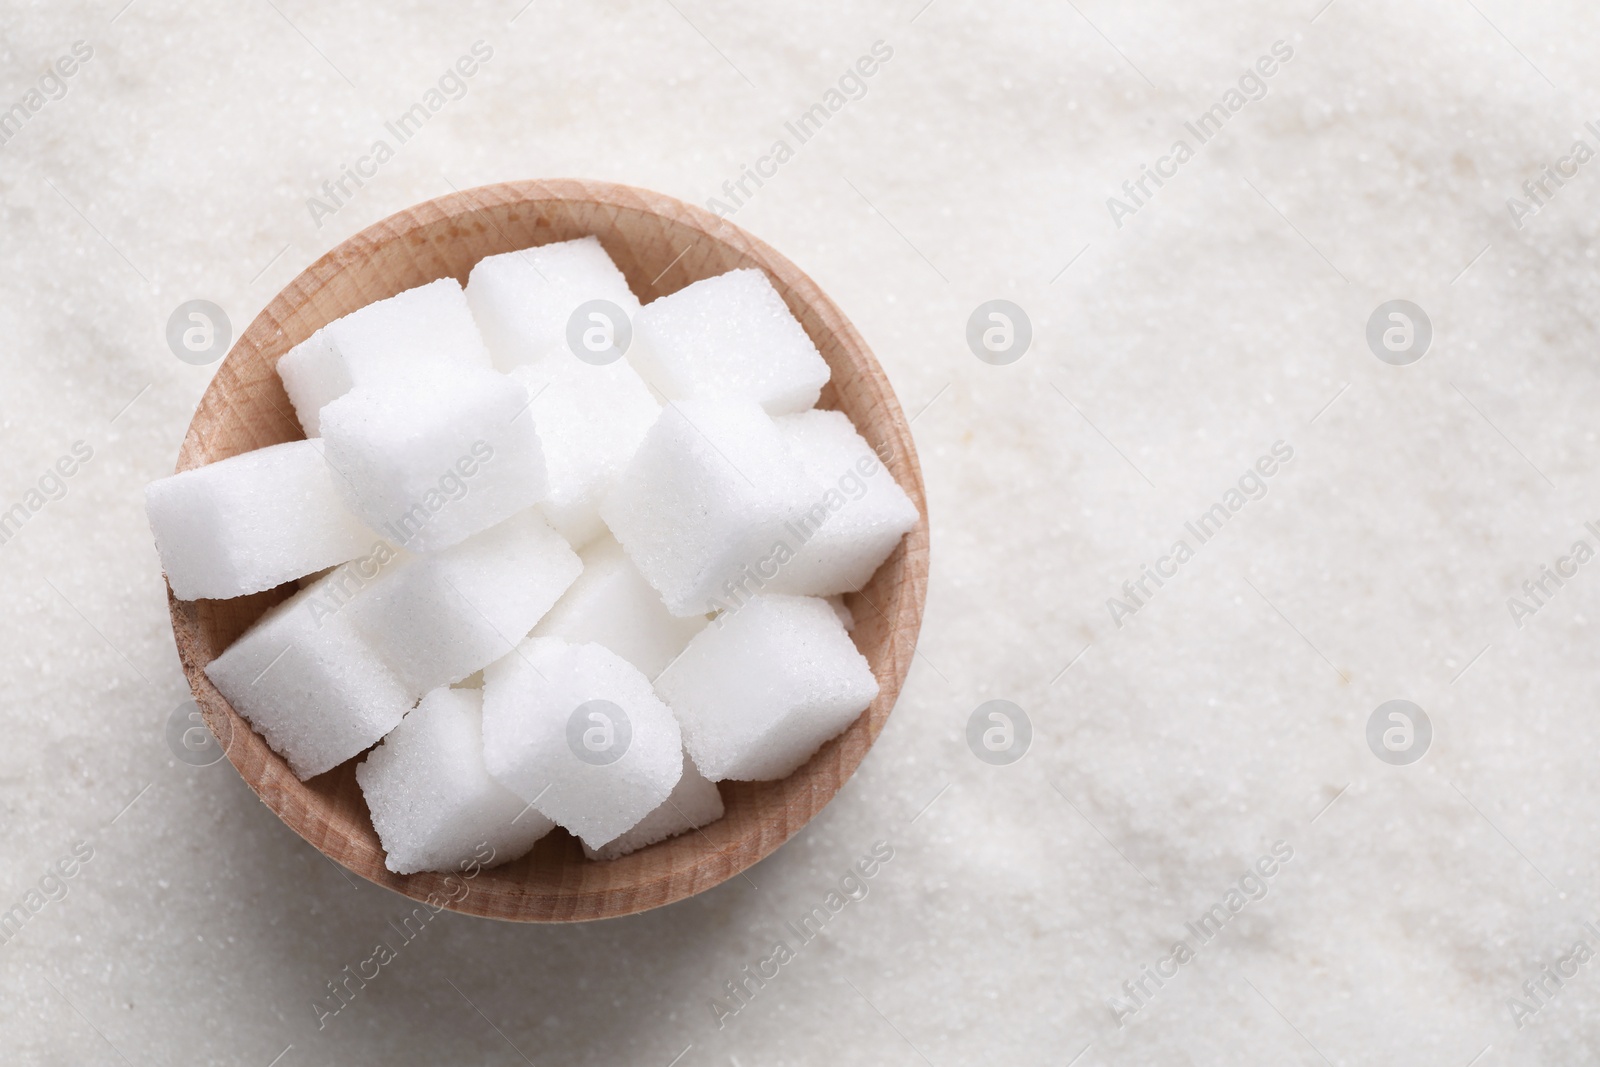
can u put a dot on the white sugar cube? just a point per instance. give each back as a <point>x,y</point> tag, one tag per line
<point>694,802</point>
<point>314,374</point>
<point>426,327</point>
<point>310,684</point>
<point>591,420</point>
<point>705,501</point>
<point>730,336</point>
<point>252,522</point>
<point>435,458</point>
<point>577,731</point>
<point>847,618</point>
<point>439,617</point>
<point>523,301</point>
<point>763,688</point>
<point>612,605</point>
<point>433,803</point>
<point>857,520</point>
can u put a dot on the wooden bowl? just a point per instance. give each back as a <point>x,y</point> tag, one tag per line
<point>661,245</point>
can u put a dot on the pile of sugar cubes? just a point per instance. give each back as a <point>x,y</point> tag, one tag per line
<point>554,581</point>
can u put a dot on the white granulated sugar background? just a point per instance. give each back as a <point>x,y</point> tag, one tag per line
<point>1168,755</point>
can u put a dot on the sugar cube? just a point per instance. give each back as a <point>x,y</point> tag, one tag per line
<point>694,803</point>
<point>612,605</point>
<point>435,458</point>
<point>730,336</point>
<point>438,617</point>
<point>252,522</point>
<point>523,301</point>
<point>433,803</point>
<point>760,690</point>
<point>591,420</point>
<point>577,731</point>
<point>847,618</point>
<point>858,519</point>
<point>708,496</point>
<point>426,327</point>
<point>310,684</point>
<point>314,374</point>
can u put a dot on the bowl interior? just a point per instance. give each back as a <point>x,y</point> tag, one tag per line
<point>661,245</point>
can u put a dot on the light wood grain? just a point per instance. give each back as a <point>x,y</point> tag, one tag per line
<point>661,244</point>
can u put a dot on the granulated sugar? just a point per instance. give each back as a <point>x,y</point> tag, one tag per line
<point>1007,906</point>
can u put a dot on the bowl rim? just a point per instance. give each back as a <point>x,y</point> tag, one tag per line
<point>284,321</point>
